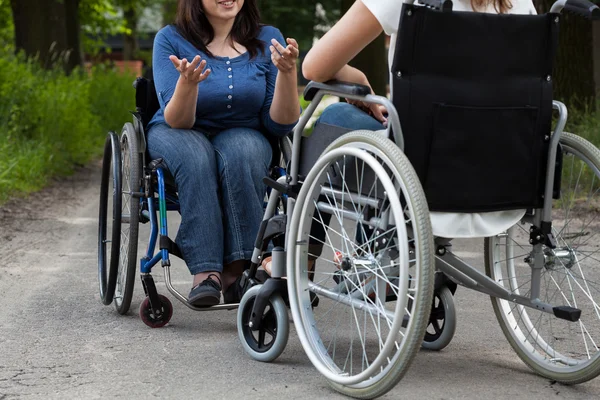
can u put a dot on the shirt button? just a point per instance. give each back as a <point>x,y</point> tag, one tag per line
<point>230,76</point>
<point>229,69</point>
<point>229,106</point>
<point>229,97</point>
<point>230,86</point>
<point>228,62</point>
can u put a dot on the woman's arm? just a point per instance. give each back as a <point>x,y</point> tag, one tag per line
<point>180,113</point>
<point>329,57</point>
<point>285,108</point>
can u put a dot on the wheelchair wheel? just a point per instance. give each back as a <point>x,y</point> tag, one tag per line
<point>159,319</point>
<point>557,349</point>
<point>442,321</point>
<point>131,181</point>
<point>374,275</point>
<point>270,340</point>
<point>109,229</point>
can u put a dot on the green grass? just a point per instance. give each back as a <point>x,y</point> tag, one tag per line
<point>585,124</point>
<point>51,123</point>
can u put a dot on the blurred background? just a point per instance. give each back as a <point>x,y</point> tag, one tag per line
<point>67,67</point>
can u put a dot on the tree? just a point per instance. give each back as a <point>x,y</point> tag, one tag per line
<point>49,30</point>
<point>575,64</point>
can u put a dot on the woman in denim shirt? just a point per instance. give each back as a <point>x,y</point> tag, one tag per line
<point>223,82</point>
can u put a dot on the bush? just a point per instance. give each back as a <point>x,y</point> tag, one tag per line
<point>52,122</point>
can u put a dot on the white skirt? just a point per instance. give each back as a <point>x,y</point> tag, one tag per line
<point>473,225</point>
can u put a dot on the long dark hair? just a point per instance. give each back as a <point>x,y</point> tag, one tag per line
<point>192,24</point>
<point>501,6</point>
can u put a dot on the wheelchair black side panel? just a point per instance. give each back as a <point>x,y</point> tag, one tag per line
<point>474,94</point>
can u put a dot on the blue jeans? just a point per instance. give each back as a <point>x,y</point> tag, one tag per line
<point>220,189</point>
<point>348,116</point>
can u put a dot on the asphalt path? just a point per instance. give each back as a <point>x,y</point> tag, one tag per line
<point>57,341</point>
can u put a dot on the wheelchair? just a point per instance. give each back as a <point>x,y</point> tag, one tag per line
<point>134,190</point>
<point>353,250</point>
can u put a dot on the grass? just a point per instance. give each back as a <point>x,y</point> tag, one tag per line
<point>52,123</point>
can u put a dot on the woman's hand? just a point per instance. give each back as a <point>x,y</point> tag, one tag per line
<point>190,72</point>
<point>284,58</point>
<point>377,111</point>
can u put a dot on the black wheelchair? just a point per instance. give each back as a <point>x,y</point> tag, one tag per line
<point>472,129</point>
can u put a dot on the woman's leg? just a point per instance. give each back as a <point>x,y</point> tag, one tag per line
<point>243,159</point>
<point>350,117</point>
<point>191,160</point>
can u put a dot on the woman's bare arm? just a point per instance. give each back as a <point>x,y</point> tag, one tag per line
<point>328,58</point>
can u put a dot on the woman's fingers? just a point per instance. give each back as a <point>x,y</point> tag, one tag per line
<point>193,71</point>
<point>376,112</point>
<point>175,61</point>
<point>284,58</point>
<point>282,50</point>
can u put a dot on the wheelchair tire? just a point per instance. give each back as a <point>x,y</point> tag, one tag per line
<point>109,231</point>
<point>564,351</point>
<point>160,319</point>
<point>380,286</point>
<point>130,217</point>
<point>439,335</point>
<point>275,324</point>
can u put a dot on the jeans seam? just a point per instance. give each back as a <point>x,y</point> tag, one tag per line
<point>231,205</point>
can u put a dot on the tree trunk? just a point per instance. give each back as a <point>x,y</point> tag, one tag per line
<point>130,43</point>
<point>48,30</point>
<point>372,60</point>
<point>574,65</point>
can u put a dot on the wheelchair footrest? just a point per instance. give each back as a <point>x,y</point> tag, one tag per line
<point>567,313</point>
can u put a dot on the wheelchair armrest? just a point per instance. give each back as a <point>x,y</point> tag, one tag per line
<point>335,86</point>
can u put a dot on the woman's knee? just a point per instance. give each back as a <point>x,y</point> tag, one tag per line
<point>348,116</point>
<point>243,146</point>
<point>182,150</point>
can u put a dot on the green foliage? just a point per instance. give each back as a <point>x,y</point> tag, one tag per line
<point>300,19</point>
<point>52,122</point>
<point>7,29</point>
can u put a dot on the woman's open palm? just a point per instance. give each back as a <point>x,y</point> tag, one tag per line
<point>192,72</point>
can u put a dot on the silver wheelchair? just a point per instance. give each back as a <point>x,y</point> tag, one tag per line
<point>472,129</point>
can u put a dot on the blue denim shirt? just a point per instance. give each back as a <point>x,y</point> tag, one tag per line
<point>237,93</point>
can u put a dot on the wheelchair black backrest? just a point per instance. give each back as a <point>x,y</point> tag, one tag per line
<point>146,101</point>
<point>474,95</point>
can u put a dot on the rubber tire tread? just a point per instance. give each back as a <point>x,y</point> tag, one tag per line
<point>572,378</point>
<point>132,137</point>
<point>111,158</point>
<point>445,338</point>
<point>424,299</point>
<point>283,325</point>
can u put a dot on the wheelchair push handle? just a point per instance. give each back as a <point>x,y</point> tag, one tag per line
<point>583,8</point>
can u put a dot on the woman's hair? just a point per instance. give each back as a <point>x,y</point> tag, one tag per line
<point>501,6</point>
<point>192,24</point>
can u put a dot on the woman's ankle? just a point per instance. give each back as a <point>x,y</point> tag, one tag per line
<point>202,276</point>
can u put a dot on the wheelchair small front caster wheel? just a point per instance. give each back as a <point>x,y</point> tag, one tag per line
<point>268,342</point>
<point>156,320</point>
<point>442,321</point>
